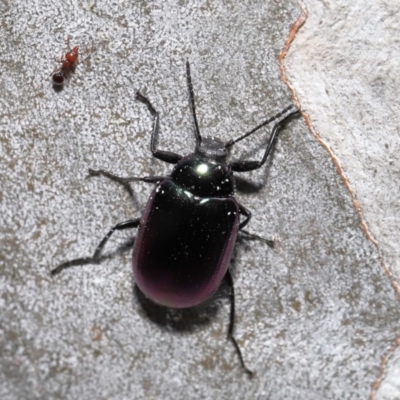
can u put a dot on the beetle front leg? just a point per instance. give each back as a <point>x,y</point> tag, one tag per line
<point>166,156</point>
<point>131,223</point>
<point>231,327</point>
<point>244,166</point>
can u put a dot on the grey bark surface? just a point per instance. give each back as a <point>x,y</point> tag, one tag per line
<point>315,314</point>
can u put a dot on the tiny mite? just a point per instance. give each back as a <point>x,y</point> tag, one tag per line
<point>188,229</point>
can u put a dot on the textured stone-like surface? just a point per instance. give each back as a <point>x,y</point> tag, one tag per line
<point>314,315</point>
<point>344,65</point>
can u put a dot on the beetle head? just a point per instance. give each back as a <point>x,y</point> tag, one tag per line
<point>212,148</point>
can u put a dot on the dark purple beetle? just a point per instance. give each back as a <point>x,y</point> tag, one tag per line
<point>187,234</point>
<point>188,229</point>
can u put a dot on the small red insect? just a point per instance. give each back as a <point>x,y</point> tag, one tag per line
<point>68,61</point>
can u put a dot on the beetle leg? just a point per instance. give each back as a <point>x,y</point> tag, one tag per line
<point>166,156</point>
<point>131,223</point>
<point>243,166</point>
<point>125,181</point>
<point>269,242</point>
<point>247,213</point>
<point>229,280</point>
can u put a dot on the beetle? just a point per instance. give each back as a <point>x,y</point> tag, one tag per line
<point>189,226</point>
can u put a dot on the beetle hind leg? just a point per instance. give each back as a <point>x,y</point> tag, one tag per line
<point>231,327</point>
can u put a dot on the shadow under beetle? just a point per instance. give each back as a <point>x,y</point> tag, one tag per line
<point>188,229</point>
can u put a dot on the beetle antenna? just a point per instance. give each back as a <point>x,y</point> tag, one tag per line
<point>192,105</point>
<point>232,142</point>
